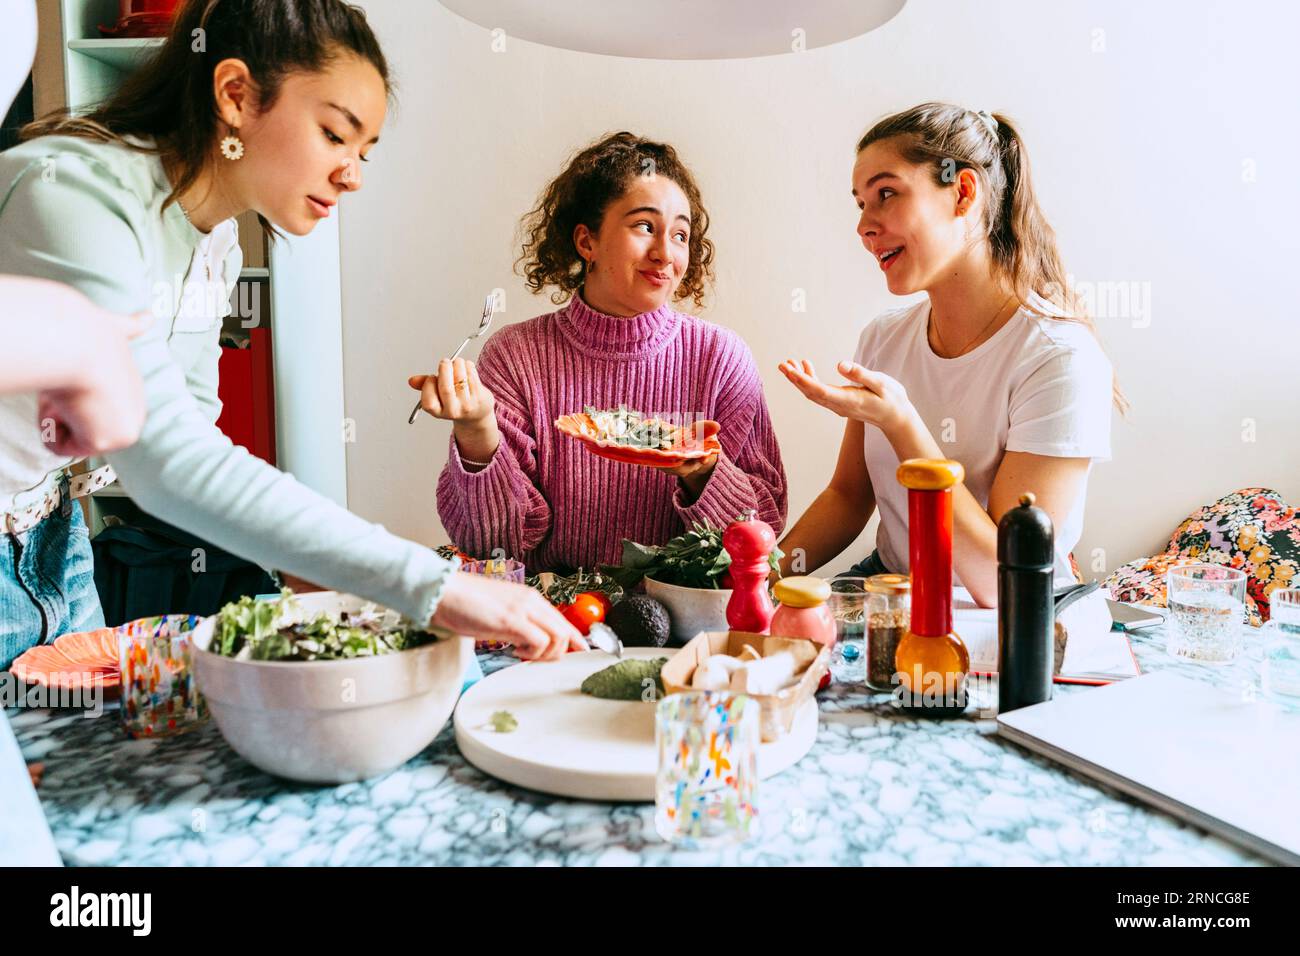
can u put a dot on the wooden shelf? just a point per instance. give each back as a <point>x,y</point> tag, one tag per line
<point>119,54</point>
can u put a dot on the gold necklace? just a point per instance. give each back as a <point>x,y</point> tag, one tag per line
<point>939,335</point>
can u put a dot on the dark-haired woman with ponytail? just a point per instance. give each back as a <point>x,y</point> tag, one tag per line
<point>264,105</point>
<point>997,367</point>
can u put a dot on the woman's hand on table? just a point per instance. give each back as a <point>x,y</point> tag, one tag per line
<point>490,610</point>
<point>870,397</point>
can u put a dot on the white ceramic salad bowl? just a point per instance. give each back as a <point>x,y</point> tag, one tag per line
<point>332,721</point>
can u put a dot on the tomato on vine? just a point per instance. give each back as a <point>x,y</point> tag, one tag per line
<point>586,610</point>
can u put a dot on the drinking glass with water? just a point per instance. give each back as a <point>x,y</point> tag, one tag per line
<point>1207,604</point>
<point>1281,672</point>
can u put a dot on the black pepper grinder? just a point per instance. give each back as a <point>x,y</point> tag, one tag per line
<point>1026,609</point>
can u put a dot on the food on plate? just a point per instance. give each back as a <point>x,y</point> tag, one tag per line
<point>640,621</point>
<point>715,672</point>
<point>767,675</point>
<point>628,429</point>
<point>281,630</point>
<point>503,722</point>
<point>627,680</point>
<point>694,559</point>
<point>747,673</point>
<point>633,438</point>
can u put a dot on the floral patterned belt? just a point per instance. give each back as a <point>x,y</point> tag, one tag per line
<point>68,489</point>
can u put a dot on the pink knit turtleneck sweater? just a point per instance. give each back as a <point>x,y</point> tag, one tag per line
<point>547,501</point>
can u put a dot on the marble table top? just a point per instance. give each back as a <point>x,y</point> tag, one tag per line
<point>877,788</point>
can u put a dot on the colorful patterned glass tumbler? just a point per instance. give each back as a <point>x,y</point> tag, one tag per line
<point>503,569</point>
<point>159,698</point>
<point>708,768</point>
<point>750,542</point>
<point>931,662</point>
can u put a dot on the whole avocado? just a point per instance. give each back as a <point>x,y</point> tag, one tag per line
<point>640,621</point>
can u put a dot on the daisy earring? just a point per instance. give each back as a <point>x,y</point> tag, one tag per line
<point>232,147</point>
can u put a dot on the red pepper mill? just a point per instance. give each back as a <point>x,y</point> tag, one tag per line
<point>750,543</point>
<point>931,662</point>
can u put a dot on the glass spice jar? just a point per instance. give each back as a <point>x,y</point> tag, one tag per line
<point>889,611</point>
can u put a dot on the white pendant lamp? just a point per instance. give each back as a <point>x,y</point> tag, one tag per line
<point>679,29</point>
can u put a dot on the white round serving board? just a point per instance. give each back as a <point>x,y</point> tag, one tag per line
<point>574,745</point>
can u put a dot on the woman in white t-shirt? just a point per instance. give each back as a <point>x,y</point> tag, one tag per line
<point>996,368</point>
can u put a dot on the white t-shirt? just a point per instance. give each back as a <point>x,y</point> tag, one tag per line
<point>1039,385</point>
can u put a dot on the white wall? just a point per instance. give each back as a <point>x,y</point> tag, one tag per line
<point>1144,122</point>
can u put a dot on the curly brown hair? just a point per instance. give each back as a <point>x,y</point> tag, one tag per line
<point>594,178</point>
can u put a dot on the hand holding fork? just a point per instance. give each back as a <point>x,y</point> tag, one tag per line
<point>454,392</point>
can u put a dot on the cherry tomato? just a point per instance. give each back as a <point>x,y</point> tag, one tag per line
<point>583,612</point>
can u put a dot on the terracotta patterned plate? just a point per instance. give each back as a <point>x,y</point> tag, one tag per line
<point>697,441</point>
<point>72,661</point>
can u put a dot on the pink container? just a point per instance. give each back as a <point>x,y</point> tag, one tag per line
<point>804,611</point>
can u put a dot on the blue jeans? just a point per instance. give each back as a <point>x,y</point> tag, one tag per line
<point>47,584</point>
<point>868,566</point>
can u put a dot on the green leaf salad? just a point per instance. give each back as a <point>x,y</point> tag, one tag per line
<point>282,630</point>
<point>632,429</point>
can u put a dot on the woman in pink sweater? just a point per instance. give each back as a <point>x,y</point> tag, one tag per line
<point>618,235</point>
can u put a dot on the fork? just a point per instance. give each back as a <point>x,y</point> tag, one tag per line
<point>489,307</point>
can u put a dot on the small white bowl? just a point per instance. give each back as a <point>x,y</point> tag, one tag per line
<point>691,610</point>
<point>331,721</point>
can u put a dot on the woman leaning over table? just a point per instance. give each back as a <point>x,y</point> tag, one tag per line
<point>275,115</point>
<point>996,367</point>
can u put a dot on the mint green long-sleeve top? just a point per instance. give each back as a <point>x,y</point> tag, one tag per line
<point>89,214</point>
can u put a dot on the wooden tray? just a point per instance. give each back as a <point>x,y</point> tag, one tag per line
<point>574,745</point>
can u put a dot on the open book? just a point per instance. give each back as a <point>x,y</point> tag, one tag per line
<point>1094,654</point>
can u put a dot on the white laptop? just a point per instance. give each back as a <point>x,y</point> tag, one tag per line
<point>1209,755</point>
